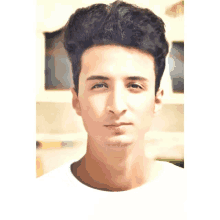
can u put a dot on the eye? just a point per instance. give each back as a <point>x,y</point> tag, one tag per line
<point>134,86</point>
<point>99,85</point>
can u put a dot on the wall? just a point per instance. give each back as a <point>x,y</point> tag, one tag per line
<point>60,118</point>
<point>52,15</point>
<point>55,118</point>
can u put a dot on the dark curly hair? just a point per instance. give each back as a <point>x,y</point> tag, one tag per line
<point>121,24</point>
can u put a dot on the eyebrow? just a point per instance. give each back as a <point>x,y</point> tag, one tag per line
<point>97,78</point>
<point>140,78</point>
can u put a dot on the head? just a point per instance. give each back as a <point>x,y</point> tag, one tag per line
<point>118,56</point>
<point>117,24</point>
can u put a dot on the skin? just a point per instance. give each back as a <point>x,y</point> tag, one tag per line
<point>116,85</point>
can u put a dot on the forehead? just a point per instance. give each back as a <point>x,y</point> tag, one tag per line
<point>116,61</point>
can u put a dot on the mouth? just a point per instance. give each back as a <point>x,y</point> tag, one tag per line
<point>118,124</point>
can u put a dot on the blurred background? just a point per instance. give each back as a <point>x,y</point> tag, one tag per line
<point>60,135</point>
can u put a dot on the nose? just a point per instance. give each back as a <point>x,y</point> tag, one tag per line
<point>117,101</point>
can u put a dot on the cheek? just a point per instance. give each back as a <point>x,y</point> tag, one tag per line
<point>94,106</point>
<point>143,108</point>
<point>142,103</point>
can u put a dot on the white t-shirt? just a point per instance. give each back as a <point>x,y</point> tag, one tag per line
<point>61,196</point>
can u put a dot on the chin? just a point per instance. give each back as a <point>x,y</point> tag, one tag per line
<point>120,141</point>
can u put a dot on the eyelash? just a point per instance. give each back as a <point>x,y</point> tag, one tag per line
<point>99,85</point>
<point>131,84</point>
<point>139,87</point>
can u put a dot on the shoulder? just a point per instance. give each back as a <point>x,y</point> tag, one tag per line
<point>55,191</point>
<point>173,172</point>
<point>173,179</point>
<point>171,175</point>
<point>56,178</point>
<point>170,169</point>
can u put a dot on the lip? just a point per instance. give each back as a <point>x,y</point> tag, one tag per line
<point>118,124</point>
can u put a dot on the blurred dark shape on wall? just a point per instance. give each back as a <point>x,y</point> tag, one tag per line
<point>58,73</point>
<point>176,66</point>
<point>38,144</point>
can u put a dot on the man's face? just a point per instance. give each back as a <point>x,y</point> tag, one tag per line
<point>116,96</point>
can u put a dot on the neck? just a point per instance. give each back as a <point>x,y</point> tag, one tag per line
<point>114,168</point>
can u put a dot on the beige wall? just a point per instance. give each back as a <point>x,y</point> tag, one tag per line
<point>54,114</point>
<point>59,122</point>
<point>52,15</point>
<point>60,118</point>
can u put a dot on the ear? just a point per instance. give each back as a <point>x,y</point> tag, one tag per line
<point>75,102</point>
<point>158,101</point>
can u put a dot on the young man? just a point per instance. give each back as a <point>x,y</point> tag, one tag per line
<point>118,58</point>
